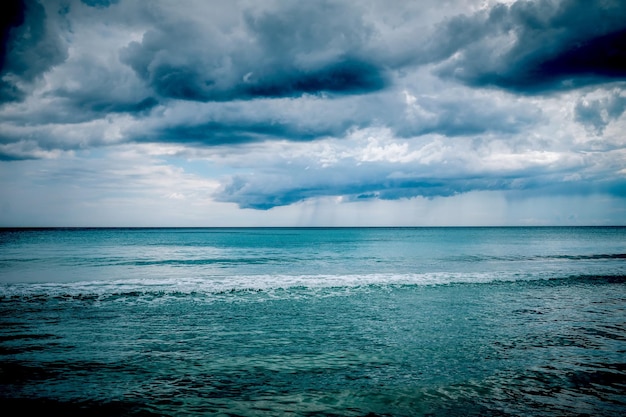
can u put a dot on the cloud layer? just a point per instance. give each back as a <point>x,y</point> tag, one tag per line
<point>537,46</point>
<point>282,103</point>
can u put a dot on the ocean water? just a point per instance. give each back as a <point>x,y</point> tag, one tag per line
<point>307,322</point>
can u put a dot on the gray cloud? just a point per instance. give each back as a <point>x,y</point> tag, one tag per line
<point>597,114</point>
<point>99,3</point>
<point>251,194</point>
<point>97,91</point>
<point>533,47</point>
<point>374,165</point>
<point>451,115</point>
<point>283,52</point>
<point>270,191</point>
<point>220,133</point>
<point>312,118</point>
<point>32,46</point>
<point>382,182</point>
<point>12,17</point>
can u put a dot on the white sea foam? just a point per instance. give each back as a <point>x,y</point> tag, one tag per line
<point>271,284</point>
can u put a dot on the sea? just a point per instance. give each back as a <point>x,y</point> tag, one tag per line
<point>519,321</point>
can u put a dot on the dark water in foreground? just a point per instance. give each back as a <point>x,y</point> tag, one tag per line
<point>346,322</point>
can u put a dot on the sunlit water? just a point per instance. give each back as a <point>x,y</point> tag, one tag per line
<point>349,322</point>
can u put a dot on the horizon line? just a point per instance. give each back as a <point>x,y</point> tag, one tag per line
<point>6,228</point>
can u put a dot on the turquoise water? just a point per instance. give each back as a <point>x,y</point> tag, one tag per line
<point>347,322</point>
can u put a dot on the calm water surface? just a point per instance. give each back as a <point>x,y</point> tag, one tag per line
<point>345,322</point>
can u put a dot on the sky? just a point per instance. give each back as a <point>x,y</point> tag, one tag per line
<point>313,113</point>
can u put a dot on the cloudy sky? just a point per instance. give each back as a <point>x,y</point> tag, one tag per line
<point>305,113</point>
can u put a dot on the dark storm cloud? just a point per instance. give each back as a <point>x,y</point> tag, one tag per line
<point>300,48</point>
<point>31,47</point>
<point>95,104</point>
<point>11,17</point>
<point>222,133</point>
<point>534,47</point>
<point>268,192</point>
<point>34,42</point>
<point>254,199</point>
<point>106,106</point>
<point>348,76</point>
<point>99,3</point>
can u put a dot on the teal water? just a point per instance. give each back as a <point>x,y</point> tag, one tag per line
<point>346,322</point>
